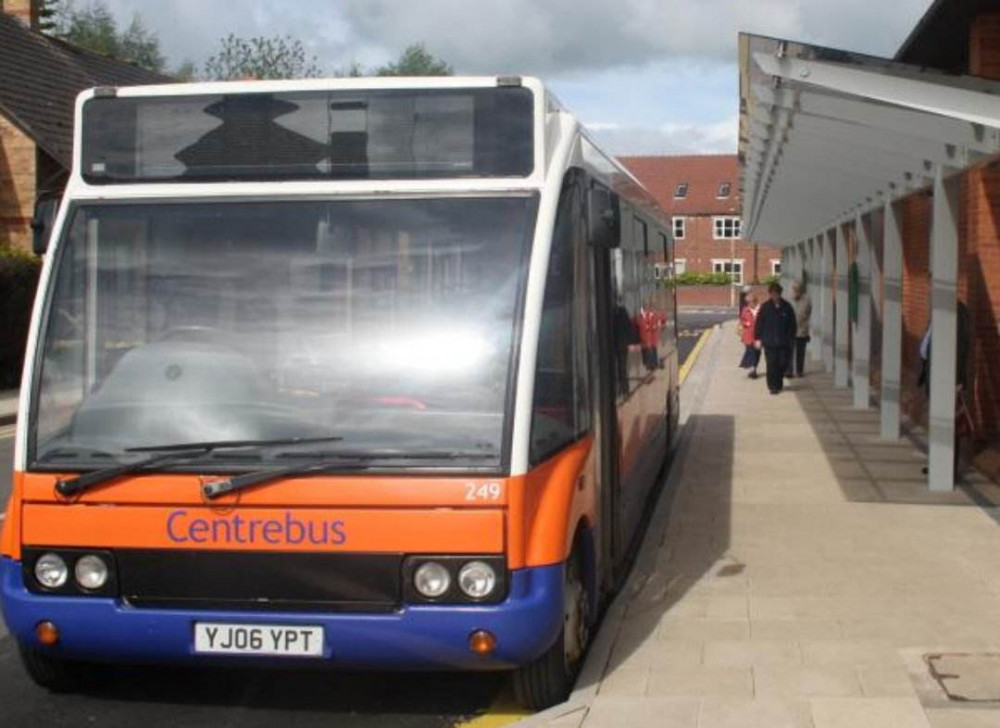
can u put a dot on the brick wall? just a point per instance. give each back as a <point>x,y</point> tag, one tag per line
<point>17,185</point>
<point>24,10</point>
<point>698,248</point>
<point>916,224</point>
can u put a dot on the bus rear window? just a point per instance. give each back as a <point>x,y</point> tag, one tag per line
<point>364,134</point>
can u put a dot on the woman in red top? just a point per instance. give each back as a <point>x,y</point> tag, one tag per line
<point>748,320</point>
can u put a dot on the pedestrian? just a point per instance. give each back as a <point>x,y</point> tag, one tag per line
<point>775,332</point>
<point>803,313</point>
<point>748,321</point>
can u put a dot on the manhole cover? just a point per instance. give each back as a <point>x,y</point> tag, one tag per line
<point>967,677</point>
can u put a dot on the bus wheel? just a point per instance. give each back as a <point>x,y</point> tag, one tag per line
<point>59,676</point>
<point>548,680</point>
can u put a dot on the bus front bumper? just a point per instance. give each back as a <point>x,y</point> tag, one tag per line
<point>412,638</point>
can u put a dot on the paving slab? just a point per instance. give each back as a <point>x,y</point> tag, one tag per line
<point>801,574</point>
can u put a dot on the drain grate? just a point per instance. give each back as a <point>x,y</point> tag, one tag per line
<point>967,677</point>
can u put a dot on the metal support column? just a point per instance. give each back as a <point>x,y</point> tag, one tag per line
<point>827,312</point>
<point>892,320</point>
<point>944,325</point>
<point>863,332</point>
<point>815,291</point>
<point>841,318</point>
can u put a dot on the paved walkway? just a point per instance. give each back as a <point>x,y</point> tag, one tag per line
<point>806,577</point>
<point>8,406</point>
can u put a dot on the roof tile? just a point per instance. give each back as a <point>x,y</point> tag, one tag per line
<point>703,173</point>
<point>40,78</point>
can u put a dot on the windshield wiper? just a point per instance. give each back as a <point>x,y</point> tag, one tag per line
<point>333,462</point>
<point>176,453</point>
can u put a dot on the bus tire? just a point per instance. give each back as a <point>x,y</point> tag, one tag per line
<point>548,680</point>
<point>55,675</point>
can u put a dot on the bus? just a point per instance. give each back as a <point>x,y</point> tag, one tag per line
<point>367,373</point>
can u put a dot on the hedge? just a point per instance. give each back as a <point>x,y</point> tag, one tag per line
<point>18,280</point>
<point>693,278</point>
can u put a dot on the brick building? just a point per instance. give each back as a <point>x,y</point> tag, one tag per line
<point>39,80</point>
<point>701,194</point>
<point>880,179</point>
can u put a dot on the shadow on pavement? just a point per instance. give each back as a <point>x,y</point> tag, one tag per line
<point>692,553</point>
<point>869,469</point>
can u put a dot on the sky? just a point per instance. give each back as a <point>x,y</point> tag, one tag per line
<point>646,76</point>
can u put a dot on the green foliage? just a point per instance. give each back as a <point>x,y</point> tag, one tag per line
<point>276,57</point>
<point>769,280</point>
<point>693,278</point>
<point>186,71</point>
<point>140,46</point>
<point>415,60</point>
<point>18,280</point>
<point>48,15</point>
<point>94,27</point>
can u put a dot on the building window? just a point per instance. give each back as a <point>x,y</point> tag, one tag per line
<point>724,228</point>
<point>680,266</point>
<point>724,189</point>
<point>775,266</point>
<point>681,191</point>
<point>680,227</point>
<point>732,267</point>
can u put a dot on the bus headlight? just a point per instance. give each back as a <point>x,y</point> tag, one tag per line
<point>477,579</point>
<point>51,571</point>
<point>91,572</point>
<point>431,579</point>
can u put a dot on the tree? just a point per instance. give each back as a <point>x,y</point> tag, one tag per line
<point>186,71</point>
<point>48,15</point>
<point>415,60</point>
<point>261,57</point>
<point>94,27</point>
<point>140,46</point>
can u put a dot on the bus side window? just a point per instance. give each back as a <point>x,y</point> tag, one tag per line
<point>561,407</point>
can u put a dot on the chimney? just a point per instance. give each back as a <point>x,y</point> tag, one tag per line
<point>24,10</point>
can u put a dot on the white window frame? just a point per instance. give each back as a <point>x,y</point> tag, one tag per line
<point>775,266</point>
<point>726,227</point>
<point>681,190</point>
<point>683,226</point>
<point>729,190</point>
<point>736,265</point>
<point>680,266</point>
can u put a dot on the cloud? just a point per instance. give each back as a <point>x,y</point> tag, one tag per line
<point>671,138</point>
<point>561,37</point>
<point>554,38</point>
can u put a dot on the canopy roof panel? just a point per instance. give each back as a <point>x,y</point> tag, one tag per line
<point>826,133</point>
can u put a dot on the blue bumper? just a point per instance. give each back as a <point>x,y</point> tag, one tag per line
<point>413,638</point>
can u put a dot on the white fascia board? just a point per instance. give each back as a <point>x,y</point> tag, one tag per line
<point>919,124</point>
<point>969,105</point>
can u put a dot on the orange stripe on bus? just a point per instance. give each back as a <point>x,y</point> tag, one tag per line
<point>313,491</point>
<point>265,529</point>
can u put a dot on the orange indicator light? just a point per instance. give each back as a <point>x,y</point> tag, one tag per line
<point>47,633</point>
<point>482,642</point>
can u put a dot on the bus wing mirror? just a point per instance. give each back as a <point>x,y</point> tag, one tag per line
<point>603,221</point>
<point>42,223</point>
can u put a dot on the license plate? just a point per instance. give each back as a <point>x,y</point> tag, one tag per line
<point>258,639</point>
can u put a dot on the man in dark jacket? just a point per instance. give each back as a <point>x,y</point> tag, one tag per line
<point>775,332</point>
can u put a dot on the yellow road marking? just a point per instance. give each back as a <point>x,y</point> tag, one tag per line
<point>7,431</point>
<point>503,711</point>
<point>693,356</point>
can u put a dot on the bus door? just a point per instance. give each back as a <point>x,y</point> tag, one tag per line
<point>606,374</point>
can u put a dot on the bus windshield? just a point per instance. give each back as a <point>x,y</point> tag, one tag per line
<point>389,323</point>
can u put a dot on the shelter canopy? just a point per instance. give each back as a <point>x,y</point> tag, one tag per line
<point>825,133</point>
